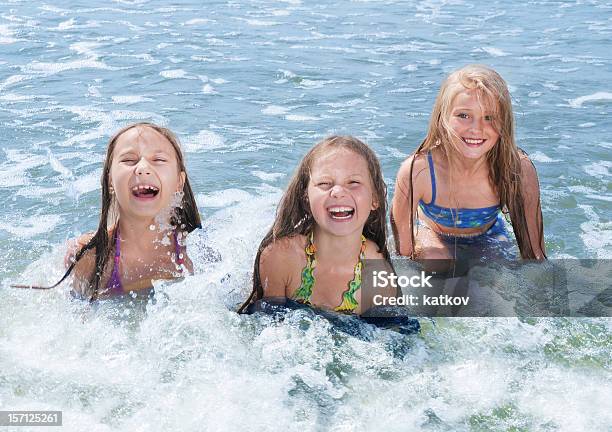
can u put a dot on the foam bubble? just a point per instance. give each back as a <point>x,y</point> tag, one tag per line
<point>495,52</point>
<point>267,176</point>
<point>26,227</point>
<point>300,118</point>
<point>595,97</point>
<point>130,99</point>
<point>539,156</point>
<point>174,73</point>
<point>204,140</point>
<point>275,110</point>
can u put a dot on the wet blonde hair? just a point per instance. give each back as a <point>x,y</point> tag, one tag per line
<point>504,159</point>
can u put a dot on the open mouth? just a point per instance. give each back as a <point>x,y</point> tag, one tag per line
<point>145,191</point>
<point>473,142</point>
<point>341,213</point>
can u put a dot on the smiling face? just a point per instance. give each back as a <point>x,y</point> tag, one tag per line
<point>144,173</point>
<point>471,123</point>
<point>340,192</point>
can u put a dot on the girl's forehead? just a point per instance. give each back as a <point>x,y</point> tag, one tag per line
<point>143,138</point>
<point>340,159</point>
<point>474,98</point>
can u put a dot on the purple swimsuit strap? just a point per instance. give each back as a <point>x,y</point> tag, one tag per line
<point>114,282</point>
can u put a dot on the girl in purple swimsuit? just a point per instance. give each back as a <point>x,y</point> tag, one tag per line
<point>148,208</point>
<point>465,174</point>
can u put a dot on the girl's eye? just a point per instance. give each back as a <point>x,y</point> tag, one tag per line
<point>488,118</point>
<point>354,182</point>
<point>159,160</point>
<point>462,115</point>
<point>129,161</point>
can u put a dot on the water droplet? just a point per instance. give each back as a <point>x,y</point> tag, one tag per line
<point>152,227</point>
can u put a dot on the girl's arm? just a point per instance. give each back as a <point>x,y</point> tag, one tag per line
<point>401,220</point>
<point>533,210</point>
<point>74,246</point>
<point>81,273</point>
<point>275,265</point>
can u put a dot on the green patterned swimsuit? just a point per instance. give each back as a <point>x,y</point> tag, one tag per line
<point>304,292</point>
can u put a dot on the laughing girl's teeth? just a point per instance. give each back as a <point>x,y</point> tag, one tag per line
<point>473,141</point>
<point>341,212</point>
<point>145,190</point>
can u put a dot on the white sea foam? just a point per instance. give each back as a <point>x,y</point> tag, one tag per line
<point>267,176</point>
<point>600,169</point>
<point>174,73</point>
<point>596,235</point>
<point>223,198</point>
<point>13,171</point>
<point>85,184</point>
<point>595,97</point>
<point>495,52</point>
<point>261,23</point>
<point>197,21</point>
<point>12,80</point>
<point>57,166</point>
<point>300,118</point>
<point>30,226</point>
<point>275,110</point>
<point>410,68</point>
<point>54,68</point>
<point>130,99</point>
<point>344,104</point>
<point>208,89</point>
<point>538,156</point>
<point>203,140</point>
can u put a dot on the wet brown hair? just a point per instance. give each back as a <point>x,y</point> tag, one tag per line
<point>186,218</point>
<point>504,159</point>
<point>293,216</point>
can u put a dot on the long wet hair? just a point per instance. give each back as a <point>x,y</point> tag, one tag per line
<point>293,216</point>
<point>503,160</point>
<point>186,217</point>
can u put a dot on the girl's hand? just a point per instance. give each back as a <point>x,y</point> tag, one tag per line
<point>74,246</point>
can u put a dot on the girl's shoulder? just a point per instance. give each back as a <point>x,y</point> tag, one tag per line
<point>286,249</point>
<point>417,165</point>
<point>417,162</point>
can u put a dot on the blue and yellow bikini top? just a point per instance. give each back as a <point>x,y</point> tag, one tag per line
<point>455,218</point>
<point>304,292</point>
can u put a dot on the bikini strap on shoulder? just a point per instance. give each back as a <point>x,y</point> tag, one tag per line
<point>432,173</point>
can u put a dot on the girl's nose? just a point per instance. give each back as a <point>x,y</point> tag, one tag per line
<point>142,167</point>
<point>477,123</point>
<point>337,191</point>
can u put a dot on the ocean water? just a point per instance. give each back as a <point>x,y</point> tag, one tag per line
<point>249,86</point>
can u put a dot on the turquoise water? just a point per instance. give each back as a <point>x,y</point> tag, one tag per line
<point>249,86</point>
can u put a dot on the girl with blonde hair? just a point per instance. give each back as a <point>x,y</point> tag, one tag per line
<point>467,173</point>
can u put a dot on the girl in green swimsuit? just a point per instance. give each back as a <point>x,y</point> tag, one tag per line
<point>330,219</point>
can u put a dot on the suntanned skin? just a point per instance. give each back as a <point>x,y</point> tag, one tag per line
<point>137,273</point>
<point>475,192</point>
<point>464,183</point>
<point>338,180</point>
<point>281,265</point>
<point>142,157</point>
